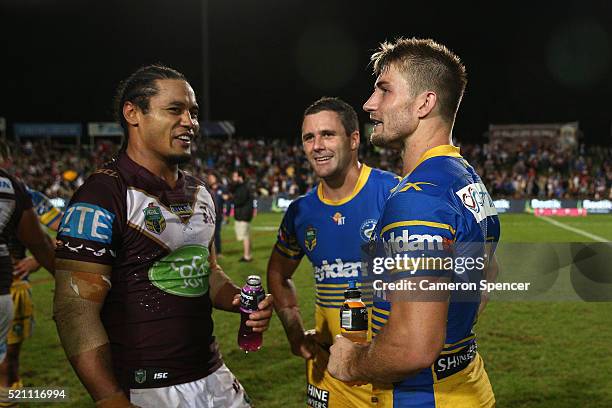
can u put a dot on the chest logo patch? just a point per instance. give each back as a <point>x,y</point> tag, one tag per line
<point>154,219</point>
<point>310,238</point>
<point>183,272</point>
<point>182,210</point>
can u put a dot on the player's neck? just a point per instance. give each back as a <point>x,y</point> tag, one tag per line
<point>420,142</point>
<point>157,166</point>
<point>342,185</point>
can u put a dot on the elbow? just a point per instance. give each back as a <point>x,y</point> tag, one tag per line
<point>420,358</point>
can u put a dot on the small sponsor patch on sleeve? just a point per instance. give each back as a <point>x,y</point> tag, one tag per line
<point>87,221</point>
<point>477,200</point>
<point>6,186</point>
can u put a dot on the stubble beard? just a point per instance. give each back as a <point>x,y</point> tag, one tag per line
<point>178,159</point>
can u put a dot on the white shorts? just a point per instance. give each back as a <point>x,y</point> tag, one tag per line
<point>243,230</point>
<point>218,390</point>
<point>6,318</point>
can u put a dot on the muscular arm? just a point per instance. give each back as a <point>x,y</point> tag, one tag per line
<point>410,341</point>
<point>77,303</point>
<point>280,271</point>
<point>30,234</point>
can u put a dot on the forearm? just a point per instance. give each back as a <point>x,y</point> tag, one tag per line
<point>223,291</point>
<point>94,369</point>
<point>411,341</point>
<point>382,361</point>
<point>44,253</point>
<point>286,304</point>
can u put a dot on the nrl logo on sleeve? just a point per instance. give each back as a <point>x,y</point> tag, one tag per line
<point>310,238</point>
<point>154,219</point>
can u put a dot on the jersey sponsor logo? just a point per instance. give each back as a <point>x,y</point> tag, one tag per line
<point>476,199</point>
<point>182,210</point>
<point>108,172</point>
<point>396,244</point>
<point>89,222</point>
<point>154,219</point>
<point>316,397</point>
<point>338,269</point>
<point>310,238</point>
<point>449,364</point>
<point>183,272</point>
<point>366,229</point>
<point>339,219</point>
<point>6,186</point>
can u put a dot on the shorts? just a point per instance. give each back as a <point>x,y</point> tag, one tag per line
<point>6,316</point>
<point>469,388</point>
<point>324,391</point>
<point>243,230</point>
<point>217,390</point>
<point>23,313</point>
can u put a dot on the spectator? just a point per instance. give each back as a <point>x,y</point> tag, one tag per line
<point>243,212</point>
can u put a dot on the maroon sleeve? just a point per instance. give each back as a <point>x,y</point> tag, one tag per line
<point>90,228</point>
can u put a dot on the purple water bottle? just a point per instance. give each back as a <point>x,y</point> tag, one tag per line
<point>252,293</point>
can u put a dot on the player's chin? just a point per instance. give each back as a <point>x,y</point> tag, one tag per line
<point>377,139</point>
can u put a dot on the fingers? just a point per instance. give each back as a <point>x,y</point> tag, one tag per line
<point>267,303</point>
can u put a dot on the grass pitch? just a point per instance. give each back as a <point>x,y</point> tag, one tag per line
<point>537,354</point>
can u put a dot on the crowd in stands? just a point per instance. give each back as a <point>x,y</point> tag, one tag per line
<point>516,170</point>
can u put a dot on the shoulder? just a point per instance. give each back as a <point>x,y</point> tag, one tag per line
<point>192,179</point>
<point>108,175</point>
<point>385,180</point>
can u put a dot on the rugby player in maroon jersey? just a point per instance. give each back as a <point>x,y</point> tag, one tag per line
<point>137,273</point>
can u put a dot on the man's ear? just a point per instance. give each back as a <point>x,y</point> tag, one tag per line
<point>130,113</point>
<point>355,139</point>
<point>425,103</point>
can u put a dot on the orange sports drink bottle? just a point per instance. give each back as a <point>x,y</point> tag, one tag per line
<point>354,315</point>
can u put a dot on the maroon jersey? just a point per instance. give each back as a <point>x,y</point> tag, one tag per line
<point>14,200</point>
<point>158,311</point>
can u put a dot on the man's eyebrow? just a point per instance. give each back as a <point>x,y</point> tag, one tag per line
<point>381,82</point>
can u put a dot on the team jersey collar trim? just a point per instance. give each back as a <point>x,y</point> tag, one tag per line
<point>438,151</point>
<point>442,150</point>
<point>361,181</point>
<point>142,174</point>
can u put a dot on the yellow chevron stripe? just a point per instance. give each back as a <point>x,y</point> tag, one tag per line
<point>417,222</point>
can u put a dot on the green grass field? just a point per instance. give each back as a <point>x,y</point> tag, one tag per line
<point>537,354</point>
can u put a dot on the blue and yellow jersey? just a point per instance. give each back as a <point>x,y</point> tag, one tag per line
<point>441,204</point>
<point>46,211</point>
<point>330,234</point>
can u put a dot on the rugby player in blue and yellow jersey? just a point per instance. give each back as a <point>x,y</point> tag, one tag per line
<point>426,348</point>
<point>328,225</point>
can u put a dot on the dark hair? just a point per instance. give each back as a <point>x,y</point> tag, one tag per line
<point>138,88</point>
<point>426,65</point>
<point>347,114</point>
